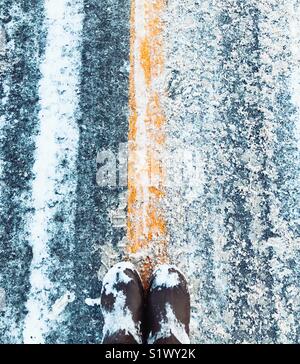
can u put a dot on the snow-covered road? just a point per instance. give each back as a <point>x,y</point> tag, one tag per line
<point>227,76</point>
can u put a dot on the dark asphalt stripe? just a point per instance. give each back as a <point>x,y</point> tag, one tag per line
<point>22,22</point>
<point>104,108</point>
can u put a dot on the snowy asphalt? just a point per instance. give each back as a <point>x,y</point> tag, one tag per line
<point>233,101</point>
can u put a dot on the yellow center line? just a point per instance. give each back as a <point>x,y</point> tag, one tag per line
<point>146,225</point>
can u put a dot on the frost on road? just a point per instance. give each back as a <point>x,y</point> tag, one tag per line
<point>214,88</point>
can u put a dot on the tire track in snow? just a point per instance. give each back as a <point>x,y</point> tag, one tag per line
<point>229,98</point>
<point>246,190</point>
<point>266,187</point>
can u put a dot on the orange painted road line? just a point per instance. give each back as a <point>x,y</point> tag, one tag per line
<point>146,225</point>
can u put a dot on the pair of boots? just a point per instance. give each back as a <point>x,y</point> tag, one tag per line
<point>132,316</point>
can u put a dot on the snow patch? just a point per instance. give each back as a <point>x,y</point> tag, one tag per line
<point>119,319</point>
<point>60,305</point>
<point>93,301</point>
<point>170,326</point>
<point>116,275</point>
<point>163,278</point>
<point>57,141</point>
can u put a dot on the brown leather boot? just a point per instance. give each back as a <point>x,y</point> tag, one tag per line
<point>122,302</point>
<point>168,307</point>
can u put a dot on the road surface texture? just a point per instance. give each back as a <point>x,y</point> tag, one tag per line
<point>204,96</point>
